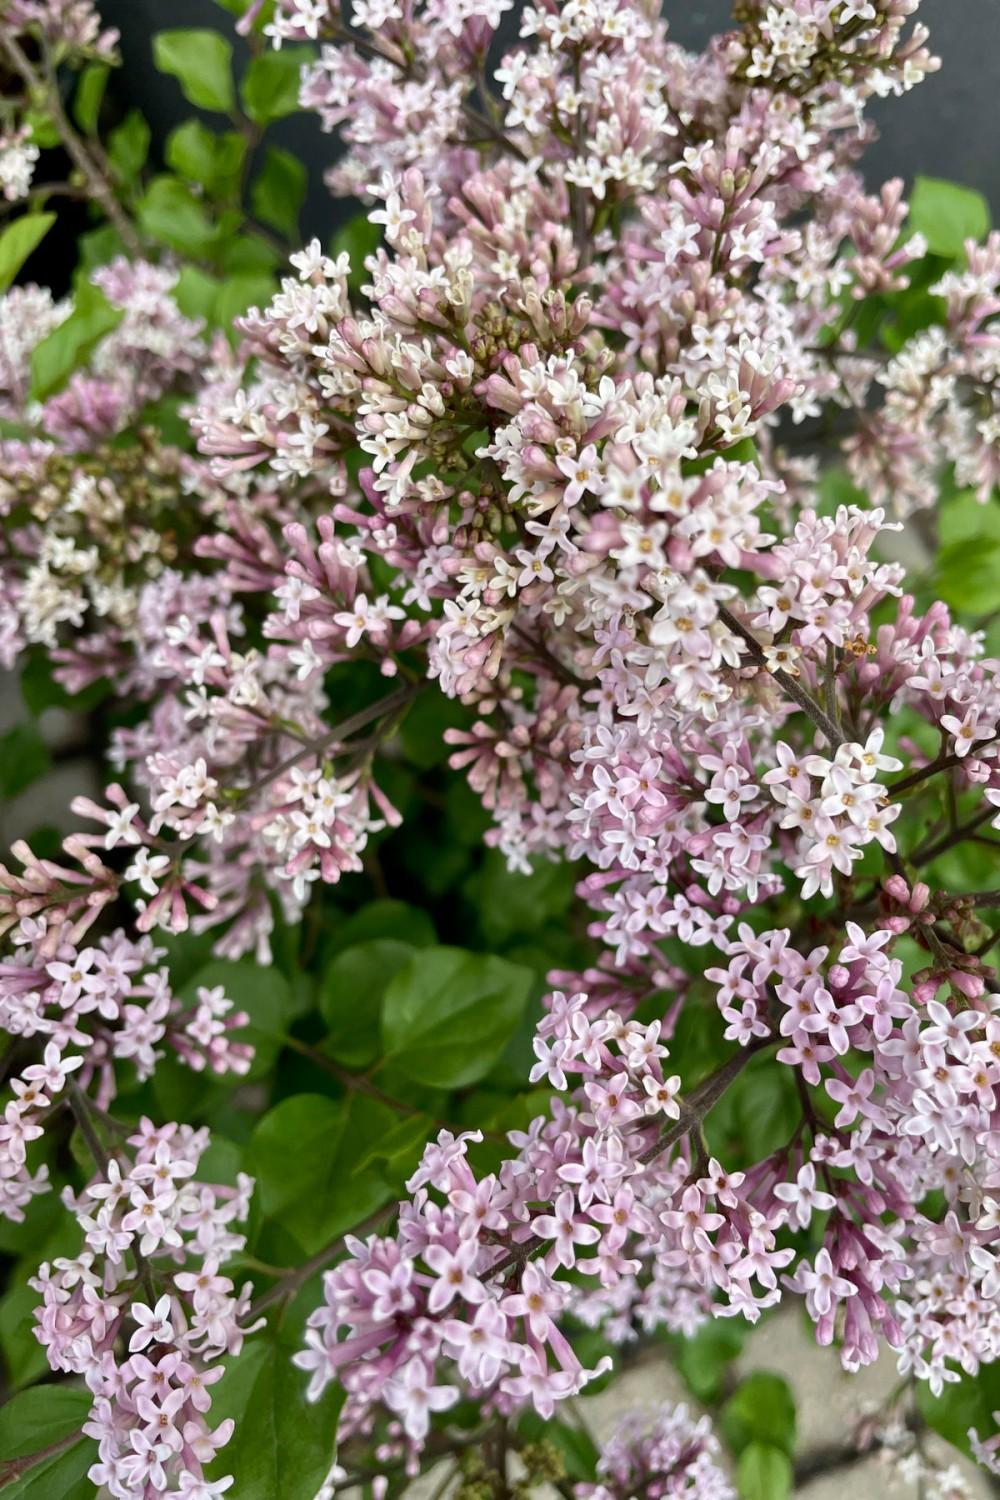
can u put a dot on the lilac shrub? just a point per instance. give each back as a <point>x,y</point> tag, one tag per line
<point>612,449</point>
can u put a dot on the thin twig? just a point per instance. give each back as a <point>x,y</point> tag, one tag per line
<point>943,763</point>
<point>340,732</point>
<point>299,1274</point>
<point>13,1469</point>
<point>82,158</point>
<point>81,1107</point>
<point>798,694</point>
<point>955,836</point>
<point>372,50</point>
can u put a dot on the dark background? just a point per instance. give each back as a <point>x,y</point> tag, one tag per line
<point>948,127</point>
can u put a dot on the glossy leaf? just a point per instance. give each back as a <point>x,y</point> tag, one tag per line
<point>199,154</point>
<point>90,95</point>
<point>18,241</point>
<point>306,1154</point>
<point>449,1014</point>
<point>278,191</point>
<point>351,994</point>
<point>383,919</point>
<point>947,215</point>
<point>201,61</point>
<point>170,212</point>
<point>964,1406</point>
<point>764,1473</point>
<point>763,1411</point>
<point>69,345</point>
<point>270,85</point>
<point>24,756</point>
<point>128,146</point>
<point>34,1420</point>
<point>281,1445</point>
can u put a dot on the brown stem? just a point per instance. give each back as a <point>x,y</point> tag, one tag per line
<point>481,121</point>
<point>15,1467</point>
<point>943,763</point>
<point>832,1456</point>
<point>295,1278</point>
<point>82,158</point>
<point>704,1098</point>
<point>559,668</point>
<point>976,898</point>
<point>949,840</point>
<point>80,1106</point>
<point>339,732</point>
<point>797,694</point>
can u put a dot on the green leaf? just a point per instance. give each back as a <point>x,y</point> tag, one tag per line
<point>967,575</point>
<point>33,1420</point>
<point>270,86</point>
<point>744,452</point>
<point>401,1148</point>
<point>201,61</point>
<point>24,756</point>
<point>917,310</point>
<point>703,1359</point>
<point>263,12</point>
<point>17,242</point>
<point>961,515</point>
<point>449,1014</point>
<point>947,215</point>
<point>41,128</point>
<point>388,919</point>
<point>89,96</point>
<point>278,191</point>
<point>836,487</point>
<point>282,1445</point>
<point>68,347</point>
<point>169,212</point>
<point>40,690</point>
<point>422,731</point>
<point>128,147</point>
<point>246,254</point>
<point>306,1155</point>
<point>196,292</point>
<point>966,1405</point>
<point>764,1473</point>
<point>761,1411</point>
<point>201,155</point>
<point>23,1355</point>
<point>238,293</point>
<point>98,246</point>
<point>755,1117</point>
<point>508,903</point>
<point>351,994</point>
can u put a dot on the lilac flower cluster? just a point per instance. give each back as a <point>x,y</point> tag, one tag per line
<point>664,1453</point>
<point>72,26</point>
<point>92,1008</point>
<point>475,1281</point>
<point>147,1220</point>
<point>89,521</point>
<point>611,296</point>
